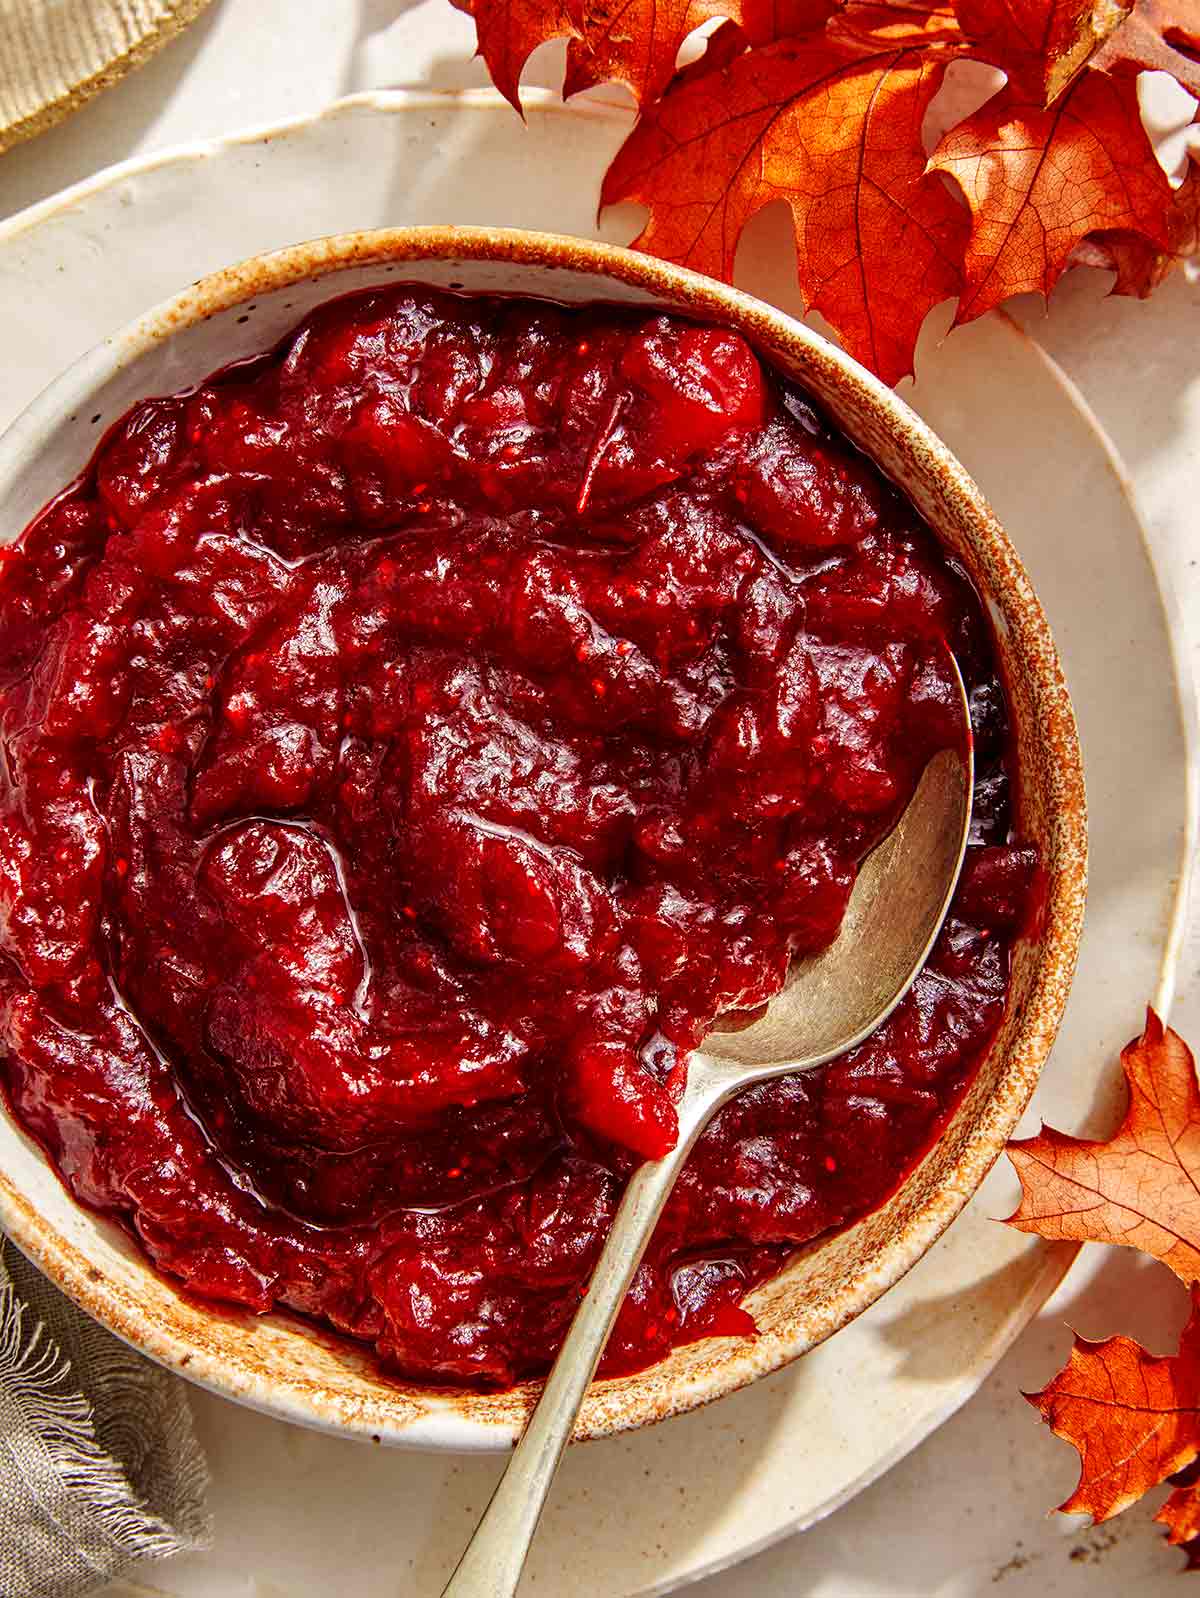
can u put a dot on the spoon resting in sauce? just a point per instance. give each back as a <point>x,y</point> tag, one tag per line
<point>829,1004</point>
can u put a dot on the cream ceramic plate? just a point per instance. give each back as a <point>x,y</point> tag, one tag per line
<point>55,54</point>
<point>303,1514</point>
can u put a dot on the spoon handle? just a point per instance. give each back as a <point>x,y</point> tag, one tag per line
<point>492,1564</point>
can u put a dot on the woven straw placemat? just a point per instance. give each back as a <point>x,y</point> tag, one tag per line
<point>55,54</point>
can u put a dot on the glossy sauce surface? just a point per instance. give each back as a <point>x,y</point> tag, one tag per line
<point>411,742</point>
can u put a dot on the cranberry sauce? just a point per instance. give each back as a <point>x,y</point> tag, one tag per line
<point>411,741</point>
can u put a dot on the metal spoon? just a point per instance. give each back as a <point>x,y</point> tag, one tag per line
<point>830,1002</point>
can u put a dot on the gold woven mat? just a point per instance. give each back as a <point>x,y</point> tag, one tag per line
<point>55,54</point>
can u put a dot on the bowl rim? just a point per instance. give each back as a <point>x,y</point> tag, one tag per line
<point>447,1419</point>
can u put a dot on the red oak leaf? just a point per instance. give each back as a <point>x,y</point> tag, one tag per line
<point>1181,1514</point>
<point>899,22</point>
<point>1141,1187</point>
<point>1134,1418</point>
<point>1038,180</point>
<point>509,31</point>
<point>831,126</point>
<point>720,48</point>
<point>1159,36</point>
<point>764,20</point>
<point>821,105</point>
<point>635,42</point>
<point>1139,265</point>
<point>1040,44</point>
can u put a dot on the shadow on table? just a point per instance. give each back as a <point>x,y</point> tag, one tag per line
<point>446,186</point>
<point>465,71</point>
<point>1142,1286</point>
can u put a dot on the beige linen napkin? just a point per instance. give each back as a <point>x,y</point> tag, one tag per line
<point>55,54</point>
<point>99,1465</point>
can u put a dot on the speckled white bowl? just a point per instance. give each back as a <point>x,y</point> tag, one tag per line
<point>298,1373</point>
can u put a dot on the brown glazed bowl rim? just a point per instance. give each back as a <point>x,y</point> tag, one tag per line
<point>304,1375</point>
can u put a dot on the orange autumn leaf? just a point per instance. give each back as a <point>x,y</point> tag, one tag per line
<point>635,42</point>
<point>1040,44</point>
<point>764,20</point>
<point>509,31</point>
<point>1159,36</point>
<point>829,124</point>
<point>1038,180</point>
<point>722,45</point>
<point>1140,267</point>
<point>821,105</point>
<point>1133,1418</point>
<point>1141,1187</point>
<point>899,22</point>
<point>1180,1514</point>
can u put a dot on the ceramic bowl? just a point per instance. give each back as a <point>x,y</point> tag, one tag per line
<point>302,1374</point>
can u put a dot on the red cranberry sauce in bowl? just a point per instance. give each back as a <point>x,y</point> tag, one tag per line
<point>413,740</point>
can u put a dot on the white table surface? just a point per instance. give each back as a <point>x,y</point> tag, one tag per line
<point>965,1513</point>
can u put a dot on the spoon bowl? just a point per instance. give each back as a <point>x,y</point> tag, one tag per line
<point>830,1002</point>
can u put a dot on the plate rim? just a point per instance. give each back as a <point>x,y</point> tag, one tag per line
<point>393,101</point>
